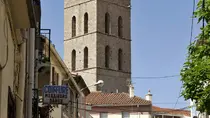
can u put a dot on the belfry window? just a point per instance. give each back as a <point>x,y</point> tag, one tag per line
<point>85,57</point>
<point>86,23</point>
<point>107,23</point>
<point>107,56</point>
<point>120,59</point>
<point>73,60</point>
<point>73,26</point>
<point>120,26</point>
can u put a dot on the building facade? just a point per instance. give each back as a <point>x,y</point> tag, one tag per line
<point>14,33</point>
<point>54,72</point>
<point>97,42</point>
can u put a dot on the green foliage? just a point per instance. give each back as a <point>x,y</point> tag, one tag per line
<point>195,73</point>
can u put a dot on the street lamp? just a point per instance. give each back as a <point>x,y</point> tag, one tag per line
<point>99,83</point>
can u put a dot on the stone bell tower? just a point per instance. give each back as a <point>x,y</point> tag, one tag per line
<point>97,42</point>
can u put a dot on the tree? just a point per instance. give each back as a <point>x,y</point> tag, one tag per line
<point>195,73</point>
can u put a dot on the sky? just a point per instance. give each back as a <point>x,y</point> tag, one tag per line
<point>160,33</point>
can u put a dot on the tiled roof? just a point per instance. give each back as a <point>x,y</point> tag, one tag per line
<point>114,99</point>
<point>170,111</point>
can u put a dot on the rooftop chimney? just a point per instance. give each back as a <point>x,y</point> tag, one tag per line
<point>131,91</point>
<point>149,96</point>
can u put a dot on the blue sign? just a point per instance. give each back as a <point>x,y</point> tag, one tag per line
<point>54,94</point>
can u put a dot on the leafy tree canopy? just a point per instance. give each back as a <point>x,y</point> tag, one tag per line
<point>195,73</point>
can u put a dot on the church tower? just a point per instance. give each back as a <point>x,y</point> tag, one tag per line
<point>97,42</point>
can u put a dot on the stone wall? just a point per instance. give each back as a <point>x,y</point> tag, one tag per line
<point>96,39</point>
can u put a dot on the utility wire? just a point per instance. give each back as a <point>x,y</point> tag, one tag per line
<point>178,97</point>
<point>135,77</point>
<point>192,23</point>
<point>160,77</point>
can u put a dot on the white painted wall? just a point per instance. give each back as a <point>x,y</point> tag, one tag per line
<point>132,115</point>
<point>119,115</point>
<point>186,117</point>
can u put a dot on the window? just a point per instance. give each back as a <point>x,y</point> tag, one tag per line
<point>86,23</point>
<point>120,26</point>
<point>107,54</point>
<point>125,115</point>
<point>73,60</point>
<point>107,23</point>
<point>103,115</point>
<point>53,76</point>
<point>57,79</point>
<point>85,57</point>
<point>120,59</point>
<point>73,26</point>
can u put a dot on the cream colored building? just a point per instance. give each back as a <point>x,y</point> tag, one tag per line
<point>56,72</point>
<point>15,18</point>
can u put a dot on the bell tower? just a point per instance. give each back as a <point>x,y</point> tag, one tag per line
<point>97,42</point>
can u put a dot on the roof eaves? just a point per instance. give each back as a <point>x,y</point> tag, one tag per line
<point>111,105</point>
<point>168,114</point>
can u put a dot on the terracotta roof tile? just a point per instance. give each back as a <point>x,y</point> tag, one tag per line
<point>99,98</point>
<point>170,111</point>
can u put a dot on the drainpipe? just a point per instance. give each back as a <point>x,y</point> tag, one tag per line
<point>37,64</point>
<point>31,71</point>
<point>27,76</point>
<point>21,90</point>
<point>77,107</point>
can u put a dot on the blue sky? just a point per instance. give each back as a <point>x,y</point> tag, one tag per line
<point>160,36</point>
